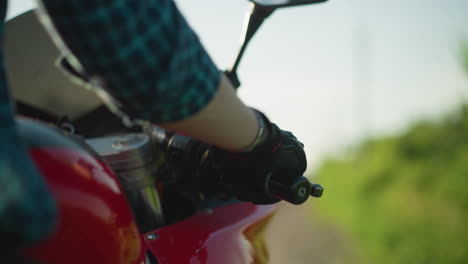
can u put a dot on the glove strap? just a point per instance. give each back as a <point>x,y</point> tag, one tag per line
<point>262,133</point>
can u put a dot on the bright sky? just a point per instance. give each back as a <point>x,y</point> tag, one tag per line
<point>301,68</point>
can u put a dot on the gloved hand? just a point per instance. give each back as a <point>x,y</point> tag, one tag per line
<point>245,174</point>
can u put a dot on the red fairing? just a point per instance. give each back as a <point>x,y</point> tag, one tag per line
<point>229,235</point>
<point>95,222</point>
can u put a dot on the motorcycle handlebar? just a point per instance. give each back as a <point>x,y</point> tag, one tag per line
<point>296,191</point>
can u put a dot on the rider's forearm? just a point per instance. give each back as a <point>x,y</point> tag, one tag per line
<point>161,85</point>
<point>224,122</point>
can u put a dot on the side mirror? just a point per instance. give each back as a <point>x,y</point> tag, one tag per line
<point>285,3</point>
<point>260,9</point>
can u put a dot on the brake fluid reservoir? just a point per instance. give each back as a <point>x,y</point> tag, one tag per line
<point>131,157</point>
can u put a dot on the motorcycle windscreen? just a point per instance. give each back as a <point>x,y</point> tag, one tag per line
<point>33,76</point>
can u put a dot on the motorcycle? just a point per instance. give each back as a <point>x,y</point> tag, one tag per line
<point>129,195</point>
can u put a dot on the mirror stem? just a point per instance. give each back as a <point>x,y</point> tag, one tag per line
<point>258,14</point>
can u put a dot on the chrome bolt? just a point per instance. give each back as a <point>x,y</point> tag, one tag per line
<point>152,236</point>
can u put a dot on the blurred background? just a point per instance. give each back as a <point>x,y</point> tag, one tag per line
<point>377,90</point>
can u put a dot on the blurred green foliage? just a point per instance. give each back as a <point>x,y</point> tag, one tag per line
<point>405,197</point>
<point>464,54</point>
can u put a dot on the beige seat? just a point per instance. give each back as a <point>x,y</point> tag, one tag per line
<point>34,79</point>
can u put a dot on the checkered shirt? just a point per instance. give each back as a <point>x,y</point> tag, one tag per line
<point>141,52</point>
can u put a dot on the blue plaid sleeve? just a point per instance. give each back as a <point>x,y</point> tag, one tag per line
<point>27,210</point>
<point>143,51</point>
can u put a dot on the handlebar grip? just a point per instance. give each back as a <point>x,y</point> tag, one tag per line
<point>295,192</point>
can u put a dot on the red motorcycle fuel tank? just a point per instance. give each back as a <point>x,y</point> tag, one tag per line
<point>95,224</point>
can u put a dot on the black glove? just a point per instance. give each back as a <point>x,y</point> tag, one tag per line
<point>245,174</point>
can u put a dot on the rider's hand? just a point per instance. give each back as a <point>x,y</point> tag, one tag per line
<point>245,174</point>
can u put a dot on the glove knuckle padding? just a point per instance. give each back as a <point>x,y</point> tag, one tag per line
<point>291,154</point>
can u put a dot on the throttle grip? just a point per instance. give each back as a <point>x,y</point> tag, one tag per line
<point>296,192</point>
